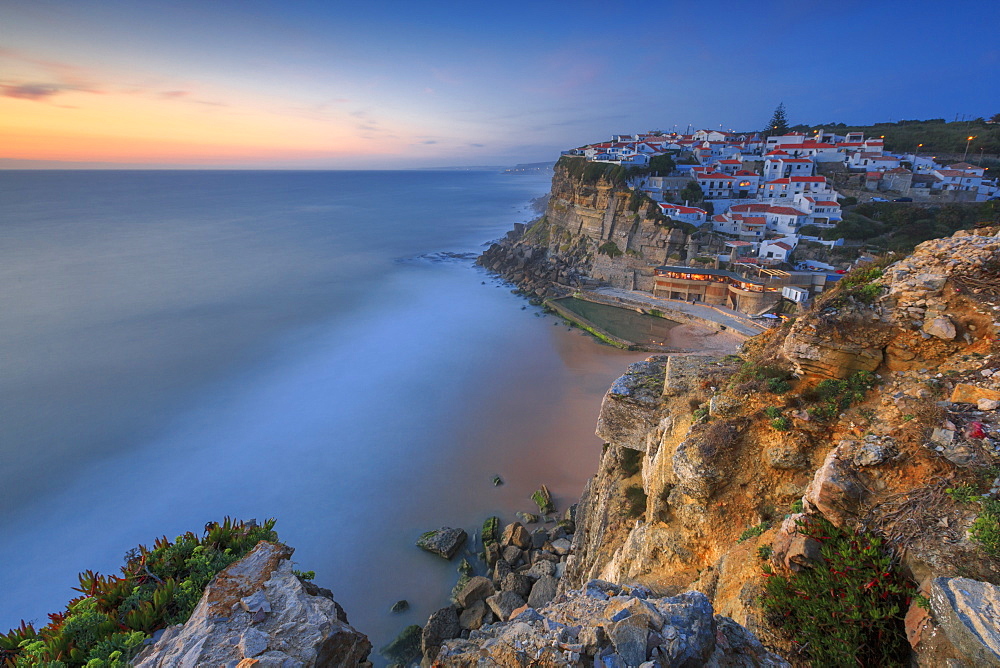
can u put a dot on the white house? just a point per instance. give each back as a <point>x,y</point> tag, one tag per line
<point>788,188</point>
<point>779,166</point>
<point>777,250</point>
<point>716,184</point>
<point>820,212</point>
<point>687,214</point>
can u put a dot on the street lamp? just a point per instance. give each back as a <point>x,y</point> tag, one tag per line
<point>915,152</point>
<point>967,142</point>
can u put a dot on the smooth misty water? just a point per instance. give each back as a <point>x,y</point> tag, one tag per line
<point>181,346</point>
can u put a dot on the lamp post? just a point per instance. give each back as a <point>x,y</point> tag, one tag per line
<point>915,152</point>
<point>967,142</point>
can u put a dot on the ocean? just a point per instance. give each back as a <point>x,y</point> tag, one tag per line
<point>317,347</point>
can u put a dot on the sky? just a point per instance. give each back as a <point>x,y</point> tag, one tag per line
<point>380,85</point>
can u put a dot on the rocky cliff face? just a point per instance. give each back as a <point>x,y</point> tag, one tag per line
<point>257,612</point>
<point>593,229</point>
<point>698,475</point>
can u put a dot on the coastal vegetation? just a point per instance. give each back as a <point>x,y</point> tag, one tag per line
<point>900,226</point>
<point>847,608</point>
<point>106,625</point>
<point>935,135</point>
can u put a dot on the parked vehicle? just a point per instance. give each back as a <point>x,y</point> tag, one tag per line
<point>879,199</point>
<point>903,199</point>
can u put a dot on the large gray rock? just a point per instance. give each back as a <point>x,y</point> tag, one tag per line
<point>602,623</point>
<point>629,637</point>
<point>478,588</point>
<point>444,542</point>
<point>518,583</point>
<point>504,603</point>
<point>441,625</point>
<point>543,591</point>
<point>941,327</point>
<point>473,616</point>
<point>258,609</point>
<point>968,611</point>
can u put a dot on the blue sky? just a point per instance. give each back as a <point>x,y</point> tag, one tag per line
<point>406,84</point>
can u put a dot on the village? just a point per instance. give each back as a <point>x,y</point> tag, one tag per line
<point>763,197</point>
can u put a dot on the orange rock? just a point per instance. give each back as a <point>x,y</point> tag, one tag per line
<point>965,393</point>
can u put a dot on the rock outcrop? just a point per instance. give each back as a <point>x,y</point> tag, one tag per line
<point>594,231</point>
<point>257,612</point>
<point>605,624</point>
<point>702,480</point>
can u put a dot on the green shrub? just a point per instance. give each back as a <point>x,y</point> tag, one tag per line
<point>772,412</point>
<point>796,507</point>
<point>157,588</point>
<point>847,610</point>
<point>778,385</point>
<point>964,493</point>
<point>839,395</point>
<point>636,497</point>
<point>764,552</point>
<point>610,249</point>
<point>631,461</point>
<point>753,532</point>
<point>781,423</point>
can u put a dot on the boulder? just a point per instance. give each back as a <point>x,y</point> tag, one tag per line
<point>444,542</point>
<point>966,611</point>
<point>515,534</point>
<point>441,625</point>
<point>941,327</point>
<point>543,591</point>
<point>527,518</point>
<point>834,491</point>
<point>477,589</point>
<point>504,603</point>
<point>629,637</point>
<point>512,555</point>
<point>517,583</point>
<point>257,608</point>
<point>964,393</point>
<point>473,616</point>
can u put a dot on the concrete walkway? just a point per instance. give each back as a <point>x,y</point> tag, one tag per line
<point>737,322</point>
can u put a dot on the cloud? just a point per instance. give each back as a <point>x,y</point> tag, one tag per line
<point>429,141</point>
<point>478,145</point>
<point>30,91</point>
<point>174,94</point>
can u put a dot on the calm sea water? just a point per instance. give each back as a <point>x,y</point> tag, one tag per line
<point>180,346</point>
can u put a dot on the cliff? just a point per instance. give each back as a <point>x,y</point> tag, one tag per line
<point>869,412</point>
<point>594,228</point>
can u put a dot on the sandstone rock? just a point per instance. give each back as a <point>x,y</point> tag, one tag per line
<point>834,491</point>
<point>915,622</point>
<point>941,327</point>
<point>473,616</point>
<point>964,393</point>
<point>873,454</point>
<point>441,625</point>
<point>629,409</point>
<point>561,546</point>
<point>540,569</point>
<point>288,624</point>
<point>515,534</point>
<point>966,610</point>
<point>500,571</point>
<point>477,589</point>
<point>985,404</point>
<point>543,591</point>
<point>695,476</point>
<point>444,542</point>
<point>504,603</point>
<point>785,457</point>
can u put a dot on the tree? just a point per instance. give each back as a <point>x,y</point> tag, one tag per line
<point>995,118</point>
<point>662,164</point>
<point>692,193</point>
<point>778,124</point>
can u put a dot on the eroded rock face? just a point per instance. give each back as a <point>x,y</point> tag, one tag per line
<point>257,609</point>
<point>629,410</point>
<point>834,491</point>
<point>968,611</point>
<point>836,345</point>
<point>616,625</point>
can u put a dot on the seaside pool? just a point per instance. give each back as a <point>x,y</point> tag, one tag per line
<point>622,323</point>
